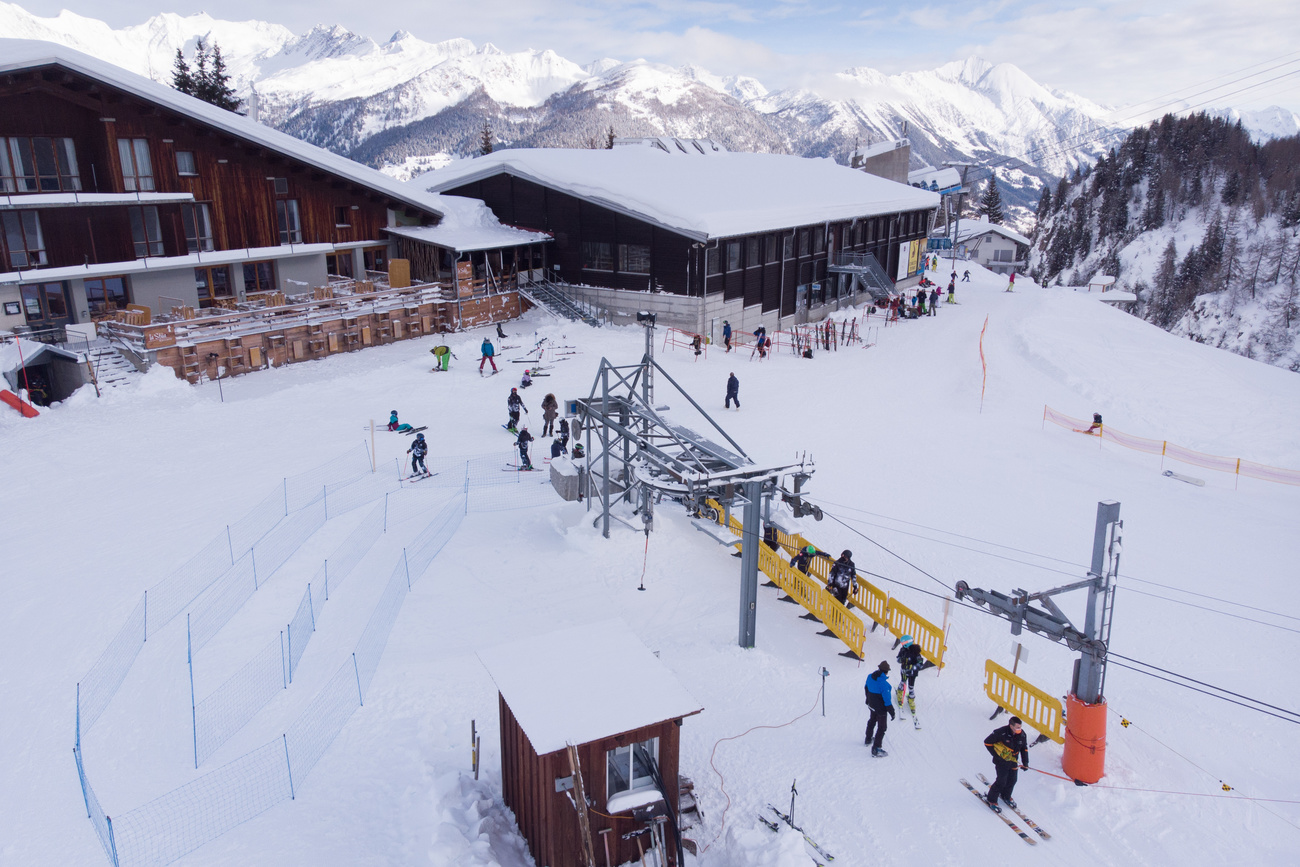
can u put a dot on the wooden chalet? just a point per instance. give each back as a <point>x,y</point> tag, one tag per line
<point>695,233</point>
<point>596,695</point>
<point>208,242</point>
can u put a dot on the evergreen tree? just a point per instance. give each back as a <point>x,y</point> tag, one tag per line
<point>1162,294</point>
<point>991,202</point>
<point>609,138</point>
<point>217,89</point>
<point>208,80</point>
<point>1044,204</point>
<point>182,77</point>
<point>1231,194</point>
<point>485,139</point>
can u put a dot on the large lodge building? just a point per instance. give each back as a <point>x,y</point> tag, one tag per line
<point>181,234</point>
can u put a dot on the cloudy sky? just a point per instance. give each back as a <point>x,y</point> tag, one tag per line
<point>1128,54</point>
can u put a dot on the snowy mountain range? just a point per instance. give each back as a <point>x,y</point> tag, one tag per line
<point>402,103</point>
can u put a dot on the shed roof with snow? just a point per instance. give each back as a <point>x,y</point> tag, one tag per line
<point>974,228</point>
<point>585,683</point>
<point>727,195</point>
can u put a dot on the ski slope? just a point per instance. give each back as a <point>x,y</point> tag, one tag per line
<point>105,497</point>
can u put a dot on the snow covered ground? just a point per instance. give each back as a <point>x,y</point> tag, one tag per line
<point>105,497</point>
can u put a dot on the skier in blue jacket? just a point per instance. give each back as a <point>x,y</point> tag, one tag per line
<point>726,334</point>
<point>881,701</point>
<point>488,351</point>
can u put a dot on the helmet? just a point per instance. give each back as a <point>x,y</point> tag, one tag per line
<point>393,412</point>
<point>419,436</point>
<point>846,554</point>
<point>906,640</point>
<point>528,373</point>
<point>513,390</point>
<point>810,550</point>
<point>523,427</point>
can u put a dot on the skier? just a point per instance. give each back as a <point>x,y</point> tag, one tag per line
<point>1095,427</point>
<point>1005,745</point>
<point>524,439</point>
<point>919,300</point>
<point>760,341</point>
<point>514,403</point>
<point>843,574</point>
<point>417,451</point>
<point>526,380</point>
<point>952,290</point>
<point>550,409</point>
<point>934,299</point>
<point>726,334</point>
<point>442,357</point>
<point>803,559</point>
<point>501,335</point>
<point>910,664</point>
<point>880,700</point>
<point>488,352</point>
<point>1011,284</point>
<point>965,275</point>
<point>697,343</point>
<point>733,391</point>
<point>564,433</point>
<point>392,420</point>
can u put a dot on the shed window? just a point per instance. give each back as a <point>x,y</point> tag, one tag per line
<point>597,256</point>
<point>146,231</point>
<point>137,167</point>
<point>23,241</point>
<point>185,164</point>
<point>733,255</point>
<point>289,221</point>
<point>634,258</point>
<point>41,164</point>
<point>628,768</point>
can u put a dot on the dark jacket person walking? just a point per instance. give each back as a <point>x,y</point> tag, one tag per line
<point>733,391</point>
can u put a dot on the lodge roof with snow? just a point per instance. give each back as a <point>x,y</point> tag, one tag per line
<point>974,228</point>
<point>727,195</point>
<point>585,683</point>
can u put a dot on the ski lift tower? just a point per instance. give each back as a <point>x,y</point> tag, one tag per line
<point>636,457</point>
<point>1085,717</point>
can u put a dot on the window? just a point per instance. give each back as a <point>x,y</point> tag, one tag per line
<point>771,249</point>
<point>712,261</point>
<point>871,231</point>
<point>342,216</point>
<point>787,246</point>
<point>753,252</point>
<point>634,258</point>
<point>733,255</point>
<point>185,164</point>
<point>819,241</point>
<point>803,242</point>
<point>146,231</point>
<point>857,235</point>
<point>597,256</point>
<point>137,168</point>
<point>628,768</point>
<point>286,216</point>
<point>212,284</point>
<point>198,227</point>
<point>339,264</point>
<point>41,164</point>
<point>376,258</point>
<point>106,294</point>
<point>281,186</point>
<point>44,301</point>
<point>23,241</point>
<point>259,277</point>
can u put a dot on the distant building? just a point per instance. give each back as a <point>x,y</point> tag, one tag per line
<point>994,246</point>
<point>890,160</point>
<point>697,234</point>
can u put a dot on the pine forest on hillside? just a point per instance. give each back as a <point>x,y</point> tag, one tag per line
<point>1201,223</point>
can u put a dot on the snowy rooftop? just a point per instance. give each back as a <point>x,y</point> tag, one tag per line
<point>67,200</point>
<point>672,145</point>
<point>881,147</point>
<point>974,228</point>
<point>944,179</point>
<point>468,225</point>
<point>729,194</point>
<point>585,683</point>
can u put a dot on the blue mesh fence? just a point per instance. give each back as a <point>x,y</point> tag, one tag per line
<point>166,828</point>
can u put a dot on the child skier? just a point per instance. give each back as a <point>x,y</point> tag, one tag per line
<point>802,560</point>
<point>910,664</point>
<point>514,403</point>
<point>526,380</point>
<point>524,439</point>
<point>392,420</point>
<point>843,575</point>
<point>417,451</point>
<point>879,699</point>
<point>488,351</point>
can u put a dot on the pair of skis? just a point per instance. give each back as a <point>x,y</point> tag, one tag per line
<point>1010,824</point>
<point>416,477</point>
<point>821,858</point>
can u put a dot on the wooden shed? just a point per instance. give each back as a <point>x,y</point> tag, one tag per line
<point>598,689</point>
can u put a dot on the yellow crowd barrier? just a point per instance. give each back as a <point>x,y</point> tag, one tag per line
<point>1166,449</point>
<point>810,592</point>
<point>1035,708</point>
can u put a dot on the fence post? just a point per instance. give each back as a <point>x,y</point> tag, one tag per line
<point>466,487</point>
<point>358,674</point>
<point>146,615</point>
<point>286,497</point>
<point>325,497</point>
<point>385,513</point>
<point>285,737</point>
<point>112,841</point>
<point>253,554</point>
<point>327,590</point>
<point>231,544</point>
<point>284,677</point>
<point>78,736</point>
<point>407,566</point>
<point>310,608</point>
<point>194,718</point>
<point>287,662</point>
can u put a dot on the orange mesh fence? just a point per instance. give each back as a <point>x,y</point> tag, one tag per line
<point>1166,449</point>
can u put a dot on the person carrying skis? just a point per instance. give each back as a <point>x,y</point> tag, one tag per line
<point>488,351</point>
<point>524,439</point>
<point>726,334</point>
<point>843,575</point>
<point>550,409</point>
<point>417,451</point>
<point>803,559</point>
<point>733,391</point>
<point>760,341</point>
<point>514,403</point>
<point>880,700</point>
<point>392,420</point>
<point>910,664</point>
<point>1005,745</point>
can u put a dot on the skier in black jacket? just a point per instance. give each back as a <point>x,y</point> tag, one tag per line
<point>733,391</point>
<point>801,560</point>
<point>514,403</point>
<point>910,664</point>
<point>417,451</point>
<point>524,439</point>
<point>843,574</point>
<point>1006,745</point>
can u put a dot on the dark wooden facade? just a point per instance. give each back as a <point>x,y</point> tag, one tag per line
<point>239,179</point>
<point>770,267</point>
<point>548,819</point>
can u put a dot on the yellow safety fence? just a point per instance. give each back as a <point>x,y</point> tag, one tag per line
<point>1166,449</point>
<point>810,592</point>
<point>1035,708</point>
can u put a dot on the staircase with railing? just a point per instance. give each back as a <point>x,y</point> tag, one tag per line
<point>546,294</point>
<point>866,272</point>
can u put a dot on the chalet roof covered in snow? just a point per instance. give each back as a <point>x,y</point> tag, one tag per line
<point>726,195</point>
<point>969,229</point>
<point>24,54</point>
<point>585,683</point>
<point>468,225</point>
